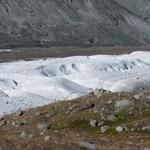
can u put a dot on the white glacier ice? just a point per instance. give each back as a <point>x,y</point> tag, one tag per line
<point>26,84</point>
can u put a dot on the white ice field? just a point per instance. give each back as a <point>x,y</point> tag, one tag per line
<point>27,84</point>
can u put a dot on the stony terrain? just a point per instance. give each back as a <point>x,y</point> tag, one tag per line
<point>102,121</point>
<point>74,23</point>
<point>37,52</point>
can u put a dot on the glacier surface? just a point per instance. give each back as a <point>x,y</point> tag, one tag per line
<point>27,84</point>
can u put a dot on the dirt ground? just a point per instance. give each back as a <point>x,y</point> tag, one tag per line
<point>68,128</point>
<point>34,53</point>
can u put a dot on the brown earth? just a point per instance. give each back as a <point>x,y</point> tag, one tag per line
<point>34,53</point>
<point>68,125</point>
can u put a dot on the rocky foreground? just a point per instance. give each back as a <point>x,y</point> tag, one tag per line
<point>102,121</point>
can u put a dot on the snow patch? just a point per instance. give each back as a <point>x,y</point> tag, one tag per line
<point>5,50</point>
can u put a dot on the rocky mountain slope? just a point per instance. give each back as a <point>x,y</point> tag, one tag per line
<point>73,22</point>
<point>140,8</point>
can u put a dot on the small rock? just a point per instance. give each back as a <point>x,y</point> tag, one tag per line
<point>8,122</point>
<point>19,113</point>
<point>67,112</point>
<point>93,123</point>
<point>14,124</point>
<point>120,129</point>
<point>100,123</point>
<point>132,129</point>
<point>37,114</point>
<point>78,135</point>
<point>41,133</point>
<point>87,145</point>
<point>47,138</point>
<point>30,136</point>
<point>146,128</point>
<point>109,102</point>
<point>105,128</point>
<point>130,143</point>
<point>138,96</point>
<point>42,126</point>
<point>86,107</point>
<point>56,131</point>
<point>146,148</point>
<point>51,114</point>
<point>142,140</point>
<point>2,118</point>
<point>148,97</point>
<point>19,123</point>
<point>103,117</point>
<point>24,134</point>
<point>99,92</point>
<point>70,108</point>
<point>24,122</point>
<point>122,104</point>
<point>112,117</point>
<point>2,123</point>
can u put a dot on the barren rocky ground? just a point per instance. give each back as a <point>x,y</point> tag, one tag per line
<point>105,121</point>
<point>35,53</point>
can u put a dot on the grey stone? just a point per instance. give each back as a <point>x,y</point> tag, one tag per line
<point>51,114</point>
<point>19,113</point>
<point>87,145</point>
<point>2,123</point>
<point>100,123</point>
<point>13,123</point>
<point>47,138</point>
<point>120,129</point>
<point>122,104</point>
<point>37,114</point>
<point>146,148</point>
<point>93,123</point>
<point>41,133</point>
<point>24,134</point>
<point>112,117</point>
<point>30,136</point>
<point>148,97</point>
<point>146,128</point>
<point>105,128</point>
<point>24,122</point>
<point>100,92</point>
<point>8,122</point>
<point>42,126</point>
<point>138,96</point>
